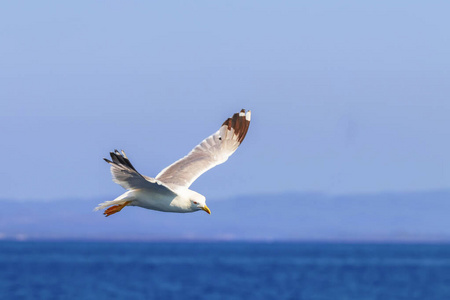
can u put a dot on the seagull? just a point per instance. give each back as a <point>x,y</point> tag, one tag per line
<point>169,190</point>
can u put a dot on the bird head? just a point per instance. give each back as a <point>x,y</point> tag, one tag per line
<point>198,203</point>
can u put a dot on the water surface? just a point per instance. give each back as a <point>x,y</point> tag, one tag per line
<point>88,270</point>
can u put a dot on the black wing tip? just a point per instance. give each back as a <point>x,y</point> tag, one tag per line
<point>119,158</point>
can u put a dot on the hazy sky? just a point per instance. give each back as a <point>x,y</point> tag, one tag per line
<point>347,96</point>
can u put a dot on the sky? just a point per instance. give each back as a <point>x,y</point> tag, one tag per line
<point>346,97</point>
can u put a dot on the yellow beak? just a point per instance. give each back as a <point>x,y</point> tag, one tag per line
<point>205,208</point>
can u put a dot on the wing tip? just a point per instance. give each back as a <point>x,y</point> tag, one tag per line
<point>240,122</point>
<point>119,158</point>
<point>245,114</point>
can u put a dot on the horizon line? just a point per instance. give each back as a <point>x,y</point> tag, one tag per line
<point>291,192</point>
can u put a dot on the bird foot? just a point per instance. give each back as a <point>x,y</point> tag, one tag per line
<point>115,209</point>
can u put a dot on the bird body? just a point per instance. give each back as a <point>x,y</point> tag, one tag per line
<point>180,202</point>
<point>169,190</point>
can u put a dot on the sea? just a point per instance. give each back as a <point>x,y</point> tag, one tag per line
<point>223,270</point>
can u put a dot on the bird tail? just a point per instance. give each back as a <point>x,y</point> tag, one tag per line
<point>116,205</point>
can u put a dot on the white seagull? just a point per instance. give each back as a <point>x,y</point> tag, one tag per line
<point>169,190</point>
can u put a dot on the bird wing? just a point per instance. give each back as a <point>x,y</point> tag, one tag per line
<point>212,151</point>
<point>128,177</point>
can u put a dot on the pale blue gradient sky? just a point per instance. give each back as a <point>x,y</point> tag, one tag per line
<point>347,97</point>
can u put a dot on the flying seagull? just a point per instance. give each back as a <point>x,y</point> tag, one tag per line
<point>169,190</point>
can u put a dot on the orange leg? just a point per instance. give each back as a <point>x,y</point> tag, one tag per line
<point>115,209</point>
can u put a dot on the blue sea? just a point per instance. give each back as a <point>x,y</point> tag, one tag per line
<point>223,270</point>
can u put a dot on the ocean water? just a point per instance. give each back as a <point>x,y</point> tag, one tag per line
<point>88,270</point>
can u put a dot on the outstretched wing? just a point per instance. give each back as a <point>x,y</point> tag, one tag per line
<point>211,152</point>
<point>125,174</point>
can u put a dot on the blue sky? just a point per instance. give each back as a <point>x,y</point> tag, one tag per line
<point>347,97</point>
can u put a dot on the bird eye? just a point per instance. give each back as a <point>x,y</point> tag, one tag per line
<point>195,202</point>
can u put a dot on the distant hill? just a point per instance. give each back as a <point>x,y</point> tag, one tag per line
<point>419,216</point>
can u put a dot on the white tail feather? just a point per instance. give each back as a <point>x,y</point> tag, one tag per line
<point>125,197</point>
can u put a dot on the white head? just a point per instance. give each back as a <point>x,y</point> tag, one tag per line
<point>198,202</point>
